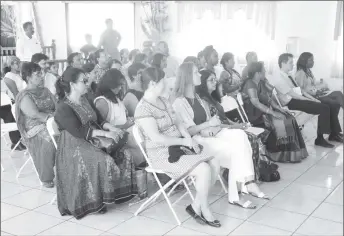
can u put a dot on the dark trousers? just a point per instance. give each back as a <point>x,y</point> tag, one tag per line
<point>7,116</point>
<point>335,98</point>
<point>328,117</point>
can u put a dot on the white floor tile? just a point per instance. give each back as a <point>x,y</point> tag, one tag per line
<point>224,208</point>
<point>11,189</point>
<point>294,203</point>
<point>322,176</point>
<point>181,231</point>
<point>336,197</point>
<point>70,228</point>
<point>273,188</point>
<point>334,159</point>
<point>9,211</point>
<point>29,223</point>
<point>315,226</point>
<point>104,222</point>
<point>249,228</point>
<point>307,191</point>
<point>141,225</point>
<point>288,173</point>
<point>51,210</point>
<point>4,233</point>
<point>30,199</point>
<point>329,211</point>
<point>228,225</point>
<point>161,211</point>
<point>277,218</point>
<point>187,199</point>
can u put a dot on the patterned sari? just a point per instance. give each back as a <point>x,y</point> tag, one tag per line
<point>285,142</point>
<point>34,132</point>
<point>88,178</point>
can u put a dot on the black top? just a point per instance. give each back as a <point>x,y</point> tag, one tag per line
<point>137,94</point>
<point>200,116</point>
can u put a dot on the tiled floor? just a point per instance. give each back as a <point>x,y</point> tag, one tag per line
<point>308,200</point>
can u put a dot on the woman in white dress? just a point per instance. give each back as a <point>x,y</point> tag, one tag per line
<point>229,145</point>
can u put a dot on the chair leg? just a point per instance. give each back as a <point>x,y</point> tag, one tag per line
<point>16,145</point>
<point>22,167</point>
<point>52,202</point>
<point>188,189</point>
<point>223,185</point>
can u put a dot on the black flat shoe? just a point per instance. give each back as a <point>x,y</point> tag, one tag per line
<point>323,143</point>
<point>194,215</point>
<point>214,223</point>
<point>336,138</point>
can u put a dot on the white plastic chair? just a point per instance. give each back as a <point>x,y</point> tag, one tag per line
<point>254,130</point>
<point>53,130</point>
<point>149,169</point>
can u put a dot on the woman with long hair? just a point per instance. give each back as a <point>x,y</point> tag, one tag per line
<point>162,133</point>
<point>196,110</point>
<point>319,91</point>
<point>88,177</point>
<point>285,142</point>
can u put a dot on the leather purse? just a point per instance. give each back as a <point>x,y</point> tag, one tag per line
<point>176,151</point>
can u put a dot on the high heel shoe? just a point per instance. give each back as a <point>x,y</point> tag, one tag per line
<point>214,223</point>
<point>194,215</point>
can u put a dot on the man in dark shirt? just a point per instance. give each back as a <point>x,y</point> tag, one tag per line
<point>110,40</point>
<point>89,47</point>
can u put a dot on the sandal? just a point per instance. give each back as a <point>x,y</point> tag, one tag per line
<point>247,205</point>
<point>260,195</point>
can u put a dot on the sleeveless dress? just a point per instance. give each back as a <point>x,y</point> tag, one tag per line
<point>158,153</point>
<point>117,114</point>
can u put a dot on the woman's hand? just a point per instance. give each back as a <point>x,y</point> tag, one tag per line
<point>242,126</point>
<point>113,135</point>
<point>277,115</point>
<point>130,121</point>
<point>214,121</point>
<point>116,130</point>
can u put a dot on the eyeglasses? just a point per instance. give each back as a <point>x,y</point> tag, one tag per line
<point>213,80</point>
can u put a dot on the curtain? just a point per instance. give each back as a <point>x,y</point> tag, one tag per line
<point>337,65</point>
<point>236,27</point>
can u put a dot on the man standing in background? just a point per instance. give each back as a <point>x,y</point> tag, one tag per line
<point>89,47</point>
<point>27,45</point>
<point>110,40</point>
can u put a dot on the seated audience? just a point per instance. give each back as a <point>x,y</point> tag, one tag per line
<point>12,79</point>
<point>172,62</point>
<point>124,54</point>
<point>51,77</point>
<point>202,61</point>
<point>75,60</point>
<point>319,90</point>
<point>116,64</point>
<point>141,58</point>
<point>149,53</point>
<point>229,78</point>
<point>42,60</point>
<point>230,147</point>
<point>88,48</point>
<point>34,106</point>
<point>88,177</point>
<point>135,93</point>
<point>193,60</point>
<point>296,98</point>
<point>102,65</point>
<point>285,142</point>
<point>159,61</point>
<point>211,57</point>
<point>161,132</point>
<point>111,108</point>
<point>251,57</point>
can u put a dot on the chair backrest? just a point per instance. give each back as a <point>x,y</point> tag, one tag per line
<point>5,99</point>
<point>53,129</point>
<point>139,140</point>
<point>228,103</point>
<point>241,110</point>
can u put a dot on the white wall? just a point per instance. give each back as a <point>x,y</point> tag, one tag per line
<point>313,22</point>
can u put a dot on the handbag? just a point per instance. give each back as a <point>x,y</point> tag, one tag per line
<point>109,145</point>
<point>176,151</point>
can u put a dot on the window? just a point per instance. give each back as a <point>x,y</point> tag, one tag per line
<point>89,18</point>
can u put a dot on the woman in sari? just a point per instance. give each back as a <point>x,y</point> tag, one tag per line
<point>229,78</point>
<point>87,177</point>
<point>34,105</point>
<point>285,142</point>
<point>161,130</point>
<point>228,143</point>
<point>320,91</point>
